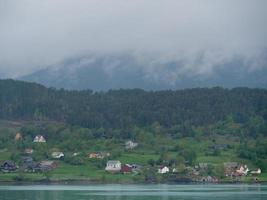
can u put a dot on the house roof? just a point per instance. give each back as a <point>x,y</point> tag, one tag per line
<point>8,162</point>
<point>57,153</point>
<point>26,159</point>
<point>47,162</point>
<point>38,136</point>
<point>162,167</point>
<point>113,162</point>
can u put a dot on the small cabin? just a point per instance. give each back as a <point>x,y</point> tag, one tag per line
<point>39,139</point>
<point>57,155</point>
<point>163,170</point>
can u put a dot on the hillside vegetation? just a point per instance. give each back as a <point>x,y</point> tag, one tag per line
<point>175,128</point>
<point>128,108</point>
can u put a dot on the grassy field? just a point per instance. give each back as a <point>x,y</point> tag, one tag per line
<point>141,155</point>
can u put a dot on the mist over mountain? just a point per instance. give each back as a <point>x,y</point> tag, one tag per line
<point>128,70</point>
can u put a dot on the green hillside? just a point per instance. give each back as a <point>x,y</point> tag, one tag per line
<point>179,129</point>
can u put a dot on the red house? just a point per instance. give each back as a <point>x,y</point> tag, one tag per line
<point>126,168</point>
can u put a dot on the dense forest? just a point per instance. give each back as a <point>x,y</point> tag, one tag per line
<point>128,108</point>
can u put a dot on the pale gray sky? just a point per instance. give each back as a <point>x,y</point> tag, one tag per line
<point>37,33</point>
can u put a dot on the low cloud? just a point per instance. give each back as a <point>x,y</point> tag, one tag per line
<point>197,36</point>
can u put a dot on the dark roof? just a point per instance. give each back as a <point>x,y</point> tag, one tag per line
<point>8,162</point>
<point>26,159</point>
<point>8,165</point>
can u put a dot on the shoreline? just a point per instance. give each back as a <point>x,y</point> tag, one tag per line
<point>99,182</point>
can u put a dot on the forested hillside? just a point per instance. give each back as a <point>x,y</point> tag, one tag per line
<point>174,128</point>
<point>128,108</point>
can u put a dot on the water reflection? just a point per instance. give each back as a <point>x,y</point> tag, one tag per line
<point>134,192</point>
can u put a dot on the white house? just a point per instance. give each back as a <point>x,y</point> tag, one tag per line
<point>57,155</point>
<point>113,166</point>
<point>39,138</point>
<point>163,170</point>
<point>256,172</point>
<point>130,144</point>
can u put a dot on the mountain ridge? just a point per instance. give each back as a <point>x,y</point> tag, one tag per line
<point>104,72</point>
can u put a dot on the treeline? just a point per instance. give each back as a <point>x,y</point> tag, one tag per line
<point>126,108</point>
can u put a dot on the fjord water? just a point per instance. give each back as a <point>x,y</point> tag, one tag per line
<point>133,192</point>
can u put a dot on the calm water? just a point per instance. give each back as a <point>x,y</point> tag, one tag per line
<point>134,192</point>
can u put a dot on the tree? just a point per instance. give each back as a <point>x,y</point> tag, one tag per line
<point>189,155</point>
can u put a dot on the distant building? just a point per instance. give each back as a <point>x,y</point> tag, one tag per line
<point>28,165</point>
<point>47,165</point>
<point>18,137</point>
<point>42,166</point>
<point>201,166</point>
<point>26,159</point>
<point>242,170</point>
<point>99,155</point>
<point>39,139</point>
<point>57,155</point>
<point>163,170</point>
<point>113,166</point>
<point>256,172</point>
<point>76,153</point>
<point>230,165</point>
<point>130,144</point>
<point>8,166</point>
<point>230,168</point>
<point>28,151</point>
<point>209,179</point>
<point>126,168</point>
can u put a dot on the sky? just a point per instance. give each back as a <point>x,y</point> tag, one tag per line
<point>36,33</point>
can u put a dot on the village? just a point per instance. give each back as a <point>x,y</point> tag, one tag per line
<point>199,172</point>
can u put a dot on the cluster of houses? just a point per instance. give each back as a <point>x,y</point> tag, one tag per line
<point>234,169</point>
<point>37,138</point>
<point>28,165</point>
<point>231,169</point>
<point>115,166</point>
